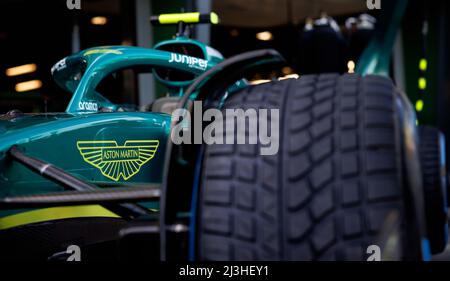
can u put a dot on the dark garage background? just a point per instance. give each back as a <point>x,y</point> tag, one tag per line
<point>42,32</point>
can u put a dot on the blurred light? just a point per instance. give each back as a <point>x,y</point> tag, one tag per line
<point>127,42</point>
<point>289,76</point>
<point>260,81</point>
<point>422,83</point>
<point>351,66</point>
<point>23,69</point>
<point>214,18</point>
<point>287,70</point>
<point>264,36</point>
<point>423,64</point>
<point>419,105</point>
<point>28,86</point>
<point>99,20</point>
<point>234,32</point>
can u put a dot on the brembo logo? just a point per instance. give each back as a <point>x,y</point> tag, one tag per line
<point>90,106</point>
<point>191,61</point>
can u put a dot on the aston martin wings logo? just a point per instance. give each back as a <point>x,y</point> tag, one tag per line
<point>116,161</point>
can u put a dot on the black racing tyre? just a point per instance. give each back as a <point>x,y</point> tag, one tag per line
<point>328,193</point>
<point>432,160</point>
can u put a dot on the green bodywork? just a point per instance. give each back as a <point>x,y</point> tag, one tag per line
<point>376,58</point>
<point>54,137</point>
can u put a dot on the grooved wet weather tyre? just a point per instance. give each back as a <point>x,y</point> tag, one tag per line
<point>432,158</point>
<point>336,181</point>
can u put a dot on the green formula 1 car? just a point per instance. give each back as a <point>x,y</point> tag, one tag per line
<point>106,181</point>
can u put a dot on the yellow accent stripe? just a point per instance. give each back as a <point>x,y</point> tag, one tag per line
<point>55,213</point>
<point>102,51</point>
<point>175,18</point>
